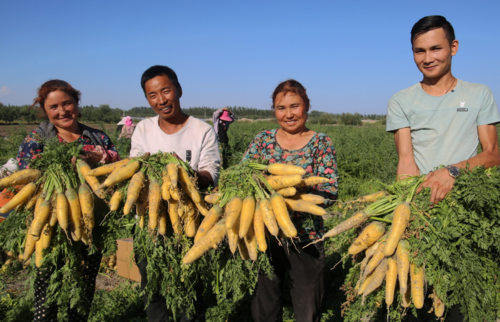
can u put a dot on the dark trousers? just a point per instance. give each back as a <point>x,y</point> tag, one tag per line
<point>157,308</point>
<point>48,313</point>
<point>306,269</point>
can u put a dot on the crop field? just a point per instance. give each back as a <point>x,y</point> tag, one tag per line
<point>366,159</point>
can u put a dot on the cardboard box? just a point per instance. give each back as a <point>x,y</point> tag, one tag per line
<point>126,266</point>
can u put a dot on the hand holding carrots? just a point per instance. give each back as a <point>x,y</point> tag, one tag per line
<point>440,183</point>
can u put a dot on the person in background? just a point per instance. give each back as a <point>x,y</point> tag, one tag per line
<point>441,120</point>
<point>127,129</point>
<point>293,143</point>
<point>58,101</point>
<point>222,118</point>
<point>192,140</point>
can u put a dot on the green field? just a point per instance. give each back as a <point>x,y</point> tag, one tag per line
<point>366,160</point>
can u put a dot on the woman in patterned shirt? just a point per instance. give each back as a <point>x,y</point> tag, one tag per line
<point>58,100</point>
<point>293,143</point>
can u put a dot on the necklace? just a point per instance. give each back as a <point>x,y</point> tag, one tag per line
<point>454,79</point>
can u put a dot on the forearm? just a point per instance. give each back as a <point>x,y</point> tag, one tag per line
<point>406,167</point>
<point>205,179</point>
<point>487,159</point>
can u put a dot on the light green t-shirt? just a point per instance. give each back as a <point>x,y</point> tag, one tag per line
<point>443,128</point>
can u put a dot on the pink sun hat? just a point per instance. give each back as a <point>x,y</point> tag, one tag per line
<point>128,121</point>
<point>225,116</point>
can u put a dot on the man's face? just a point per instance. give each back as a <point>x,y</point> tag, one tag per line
<point>163,97</point>
<point>432,53</point>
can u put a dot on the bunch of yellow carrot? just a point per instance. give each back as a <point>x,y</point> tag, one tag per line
<point>246,212</point>
<point>159,186</point>
<point>54,200</point>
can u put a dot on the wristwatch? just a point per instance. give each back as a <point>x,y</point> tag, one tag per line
<point>453,171</point>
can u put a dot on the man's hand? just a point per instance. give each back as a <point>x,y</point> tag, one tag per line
<point>440,183</point>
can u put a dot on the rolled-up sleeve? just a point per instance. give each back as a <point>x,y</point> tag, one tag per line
<point>209,155</point>
<point>396,117</point>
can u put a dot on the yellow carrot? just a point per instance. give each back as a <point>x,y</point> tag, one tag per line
<point>120,174</point>
<point>268,216</point>
<point>87,205</point>
<point>75,214</point>
<point>202,207</point>
<point>114,203</point>
<point>390,283</point>
<point>162,227</point>
<point>174,216</point>
<point>438,305</point>
<point>312,181</point>
<point>165,186</point>
<point>371,197</point>
<point>375,260</point>
<point>21,197</point>
<point>287,192</point>
<point>34,199</point>
<point>232,236</point>
<point>242,247</point>
<point>246,217</point>
<point>402,256</point>
<point>213,198</point>
<point>208,222</point>
<point>285,169</point>
<point>107,168</point>
<point>20,178</point>
<point>213,237</point>
<point>188,186</point>
<point>304,206</point>
<point>173,173</point>
<point>417,285</point>
<point>62,210</point>
<point>378,278</point>
<point>92,181</point>
<point>29,246</point>
<point>280,182</point>
<point>154,199</point>
<point>190,224</point>
<point>232,211</point>
<point>367,237</point>
<point>314,199</point>
<point>40,220</point>
<point>400,221</point>
<point>259,229</point>
<point>134,188</point>
<point>251,243</point>
<point>282,217</point>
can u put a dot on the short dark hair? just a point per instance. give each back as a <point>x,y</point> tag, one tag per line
<point>292,86</point>
<point>159,70</point>
<point>430,23</point>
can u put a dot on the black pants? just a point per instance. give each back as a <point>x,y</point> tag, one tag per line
<point>157,308</point>
<point>306,269</point>
<point>48,313</point>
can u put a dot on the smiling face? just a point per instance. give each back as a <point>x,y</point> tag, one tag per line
<point>164,97</point>
<point>432,53</point>
<point>62,110</point>
<point>291,112</point>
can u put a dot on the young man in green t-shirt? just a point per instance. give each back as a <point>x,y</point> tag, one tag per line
<point>442,119</point>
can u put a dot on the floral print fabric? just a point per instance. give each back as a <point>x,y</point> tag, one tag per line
<point>32,146</point>
<point>318,158</point>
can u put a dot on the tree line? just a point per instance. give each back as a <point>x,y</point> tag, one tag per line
<point>105,114</point>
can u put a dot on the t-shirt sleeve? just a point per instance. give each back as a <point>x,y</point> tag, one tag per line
<point>488,113</point>
<point>209,155</point>
<point>137,141</point>
<point>253,150</point>
<point>396,117</point>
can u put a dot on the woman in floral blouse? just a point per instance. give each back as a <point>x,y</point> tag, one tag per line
<point>295,144</point>
<point>58,100</point>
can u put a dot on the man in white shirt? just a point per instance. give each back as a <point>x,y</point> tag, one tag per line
<point>190,139</point>
<point>173,131</point>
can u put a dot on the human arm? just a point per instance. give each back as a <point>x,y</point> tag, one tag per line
<point>325,165</point>
<point>137,140</point>
<point>440,180</point>
<point>209,164</point>
<point>406,160</point>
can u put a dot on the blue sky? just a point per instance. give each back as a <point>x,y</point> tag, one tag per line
<point>350,55</point>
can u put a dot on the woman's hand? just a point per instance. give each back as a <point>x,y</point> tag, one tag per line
<point>92,157</point>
